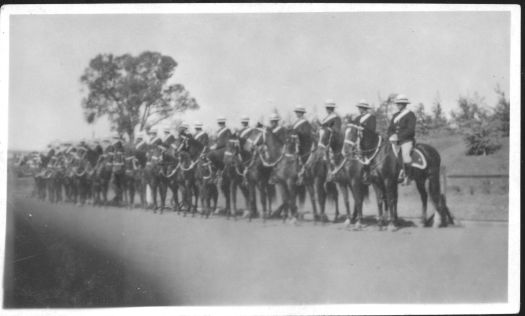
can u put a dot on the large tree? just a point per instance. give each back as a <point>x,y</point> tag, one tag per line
<point>133,91</point>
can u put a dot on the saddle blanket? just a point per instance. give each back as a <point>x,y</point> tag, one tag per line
<point>418,158</point>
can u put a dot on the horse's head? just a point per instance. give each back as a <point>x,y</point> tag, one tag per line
<point>324,138</point>
<point>254,139</point>
<point>353,136</point>
<point>292,143</point>
<point>233,151</point>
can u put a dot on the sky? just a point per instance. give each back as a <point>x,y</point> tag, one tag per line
<point>249,64</point>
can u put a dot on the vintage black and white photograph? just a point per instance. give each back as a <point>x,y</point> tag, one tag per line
<point>363,158</point>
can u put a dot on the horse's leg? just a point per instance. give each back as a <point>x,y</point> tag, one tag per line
<point>154,186</point>
<point>196,194</point>
<point>263,197</point>
<point>311,192</point>
<point>420,184</point>
<point>252,199</point>
<point>233,190</point>
<point>391,196</point>
<point>175,193</point>
<point>343,187</point>
<point>292,189</point>
<point>381,201</point>
<point>441,211</point>
<point>336,201</point>
<point>163,192</point>
<point>226,192</point>
<point>321,197</point>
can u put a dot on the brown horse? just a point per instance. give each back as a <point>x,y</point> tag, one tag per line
<point>283,158</point>
<point>234,174</point>
<point>256,175</point>
<point>207,183</point>
<point>189,155</point>
<point>315,170</point>
<point>379,157</point>
<point>347,172</point>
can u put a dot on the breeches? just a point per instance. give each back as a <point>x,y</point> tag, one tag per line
<point>406,148</point>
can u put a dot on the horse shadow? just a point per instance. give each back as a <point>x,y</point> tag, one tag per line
<point>372,220</point>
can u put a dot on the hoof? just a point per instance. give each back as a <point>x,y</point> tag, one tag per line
<point>392,227</point>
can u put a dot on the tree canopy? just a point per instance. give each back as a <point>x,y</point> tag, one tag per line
<point>133,91</point>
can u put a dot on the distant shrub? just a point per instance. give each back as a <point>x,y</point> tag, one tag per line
<point>481,131</point>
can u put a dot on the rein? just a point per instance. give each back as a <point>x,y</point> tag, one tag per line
<point>272,164</point>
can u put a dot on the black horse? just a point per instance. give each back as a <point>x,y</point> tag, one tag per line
<point>377,154</point>
<point>256,175</point>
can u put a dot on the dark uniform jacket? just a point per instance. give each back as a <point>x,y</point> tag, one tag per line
<point>223,136</point>
<point>243,132</point>
<point>202,137</point>
<point>280,133</point>
<point>368,122</point>
<point>404,125</point>
<point>332,121</point>
<point>305,132</point>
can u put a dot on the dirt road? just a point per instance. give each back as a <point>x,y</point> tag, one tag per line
<point>194,261</point>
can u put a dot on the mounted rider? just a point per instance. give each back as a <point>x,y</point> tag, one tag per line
<point>154,139</point>
<point>140,143</point>
<point>304,130</point>
<point>222,135</point>
<point>401,133</point>
<point>168,139</point>
<point>366,120</point>
<point>200,135</point>
<point>332,120</point>
<point>277,129</point>
<point>245,127</point>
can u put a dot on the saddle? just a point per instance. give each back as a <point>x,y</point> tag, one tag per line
<point>419,160</point>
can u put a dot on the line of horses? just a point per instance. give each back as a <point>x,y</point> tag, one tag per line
<point>321,164</point>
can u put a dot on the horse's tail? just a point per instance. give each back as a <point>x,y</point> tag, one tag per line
<point>301,194</point>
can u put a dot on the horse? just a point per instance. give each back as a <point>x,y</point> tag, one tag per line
<point>133,181</point>
<point>171,169</point>
<point>234,174</point>
<point>69,178</point>
<point>256,175</point>
<point>55,179</point>
<point>283,159</point>
<point>207,183</point>
<point>190,154</point>
<point>81,179</point>
<point>154,178</point>
<point>216,157</point>
<point>101,178</point>
<point>347,172</point>
<point>118,177</point>
<point>384,166</point>
<point>314,173</point>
